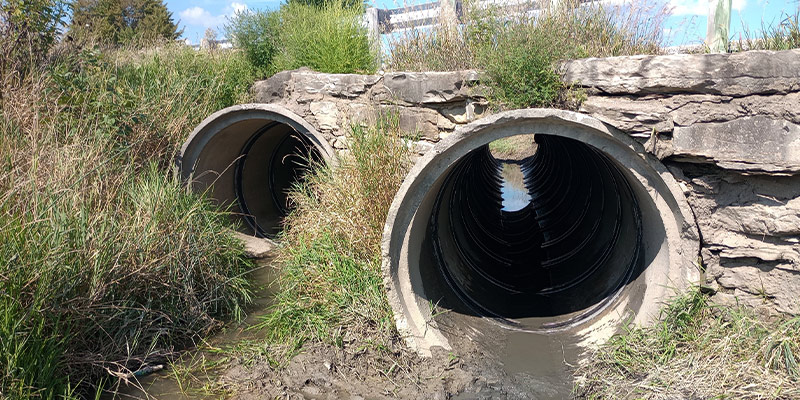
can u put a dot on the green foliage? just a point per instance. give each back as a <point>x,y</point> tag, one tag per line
<point>116,22</point>
<point>329,39</point>
<point>107,261</point>
<point>330,258</point>
<point>28,30</point>
<point>521,69</point>
<point>257,34</point>
<point>355,4</point>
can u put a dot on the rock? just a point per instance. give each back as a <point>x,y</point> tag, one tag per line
<point>748,144</point>
<point>735,74</point>
<point>273,89</point>
<point>346,86</point>
<point>427,87</point>
<point>326,114</point>
<point>255,247</point>
<point>464,113</point>
<point>773,283</point>
<point>415,122</point>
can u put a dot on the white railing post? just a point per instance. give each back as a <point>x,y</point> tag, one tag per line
<point>719,22</point>
<point>374,32</point>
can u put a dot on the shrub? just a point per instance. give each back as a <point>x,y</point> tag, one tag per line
<point>329,39</point>
<point>256,33</point>
<point>28,30</point>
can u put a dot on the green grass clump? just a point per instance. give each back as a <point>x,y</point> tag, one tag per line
<point>326,38</point>
<point>331,283</point>
<point>697,350</point>
<point>106,261</point>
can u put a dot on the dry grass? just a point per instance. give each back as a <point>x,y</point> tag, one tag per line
<point>698,351</point>
<point>107,262</point>
<point>331,285</point>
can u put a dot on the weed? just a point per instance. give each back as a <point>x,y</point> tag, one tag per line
<point>520,51</point>
<point>327,38</point>
<point>107,261</point>
<point>331,285</point>
<point>783,36</point>
<point>699,351</point>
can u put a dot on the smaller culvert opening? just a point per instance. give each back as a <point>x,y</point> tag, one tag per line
<point>539,234</point>
<point>249,163</point>
<point>269,165</point>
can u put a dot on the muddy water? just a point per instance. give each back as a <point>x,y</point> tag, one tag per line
<point>515,195</point>
<point>164,386</point>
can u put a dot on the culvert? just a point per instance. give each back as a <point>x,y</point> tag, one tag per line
<point>247,157</point>
<point>605,237</point>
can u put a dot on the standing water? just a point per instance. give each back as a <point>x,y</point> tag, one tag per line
<point>201,366</point>
<point>515,194</point>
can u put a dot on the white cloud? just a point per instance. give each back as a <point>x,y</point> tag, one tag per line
<point>700,7</point>
<point>201,16</point>
<point>238,7</point>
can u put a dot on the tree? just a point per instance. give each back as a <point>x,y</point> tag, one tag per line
<point>115,22</point>
<point>28,29</point>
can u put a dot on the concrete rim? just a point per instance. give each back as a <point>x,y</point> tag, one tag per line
<point>412,316</point>
<point>205,131</point>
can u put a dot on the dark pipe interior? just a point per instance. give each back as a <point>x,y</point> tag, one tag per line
<point>576,242</point>
<point>271,161</point>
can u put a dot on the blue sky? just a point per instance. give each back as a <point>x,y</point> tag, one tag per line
<point>687,24</point>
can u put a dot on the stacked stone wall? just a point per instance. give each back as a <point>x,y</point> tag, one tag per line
<point>726,125</point>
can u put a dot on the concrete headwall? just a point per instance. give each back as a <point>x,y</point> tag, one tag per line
<point>726,125</point>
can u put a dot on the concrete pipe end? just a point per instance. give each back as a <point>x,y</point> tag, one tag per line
<point>247,157</point>
<point>615,255</point>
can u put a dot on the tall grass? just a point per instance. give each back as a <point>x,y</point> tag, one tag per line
<point>519,51</point>
<point>698,350</point>
<point>785,35</point>
<point>331,283</point>
<point>327,38</point>
<point>106,261</point>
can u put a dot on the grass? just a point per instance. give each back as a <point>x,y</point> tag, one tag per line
<point>107,261</point>
<point>331,285</point>
<point>698,350</point>
<point>326,38</point>
<point>785,35</point>
<point>520,52</point>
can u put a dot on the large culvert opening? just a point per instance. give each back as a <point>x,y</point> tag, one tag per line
<point>542,253</point>
<point>566,244</point>
<point>249,158</point>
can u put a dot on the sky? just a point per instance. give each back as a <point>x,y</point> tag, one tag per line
<point>687,25</point>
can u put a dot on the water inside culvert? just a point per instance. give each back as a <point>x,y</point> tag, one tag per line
<point>515,194</point>
<point>163,385</point>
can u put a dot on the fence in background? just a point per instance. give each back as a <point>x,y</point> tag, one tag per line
<point>381,21</point>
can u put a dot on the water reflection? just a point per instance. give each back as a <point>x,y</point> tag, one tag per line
<point>515,195</point>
